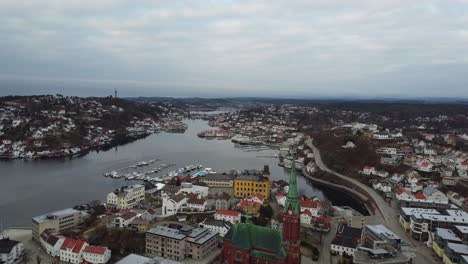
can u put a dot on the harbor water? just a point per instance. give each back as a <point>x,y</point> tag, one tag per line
<point>33,187</point>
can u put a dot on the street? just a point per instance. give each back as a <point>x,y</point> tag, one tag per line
<point>388,214</point>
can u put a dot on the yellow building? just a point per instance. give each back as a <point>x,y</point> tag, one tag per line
<point>251,182</point>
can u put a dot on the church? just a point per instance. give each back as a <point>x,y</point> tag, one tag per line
<point>247,243</point>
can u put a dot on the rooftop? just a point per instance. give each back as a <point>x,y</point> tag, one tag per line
<point>458,248</point>
<point>54,215</point>
<point>6,245</point>
<point>382,230</point>
<point>447,234</point>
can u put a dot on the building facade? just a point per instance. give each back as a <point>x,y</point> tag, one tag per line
<point>11,251</point>
<point>58,220</point>
<point>126,197</point>
<point>252,182</point>
<point>180,242</point>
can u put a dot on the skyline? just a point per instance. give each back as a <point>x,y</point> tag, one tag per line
<point>295,49</point>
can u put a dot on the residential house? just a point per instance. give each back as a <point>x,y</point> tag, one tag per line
<point>124,220</point>
<point>11,251</point>
<point>346,240</point>
<point>51,242</point>
<point>96,254</point>
<point>313,206</point>
<point>306,217</point>
<point>72,250</point>
<point>218,226</point>
<point>172,204</point>
<point>230,216</point>
<point>434,194</point>
<point>196,204</point>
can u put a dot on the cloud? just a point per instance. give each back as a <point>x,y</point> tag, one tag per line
<point>308,48</point>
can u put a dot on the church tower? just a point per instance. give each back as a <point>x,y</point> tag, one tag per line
<point>291,217</point>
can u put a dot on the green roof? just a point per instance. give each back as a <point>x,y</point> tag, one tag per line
<point>248,236</point>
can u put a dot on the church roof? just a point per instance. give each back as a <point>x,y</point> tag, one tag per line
<point>264,242</point>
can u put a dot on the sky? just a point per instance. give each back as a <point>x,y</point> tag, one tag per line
<point>221,48</point>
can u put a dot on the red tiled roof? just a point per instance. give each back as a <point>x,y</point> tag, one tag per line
<point>95,250</point>
<point>323,219</point>
<point>307,212</point>
<point>368,168</point>
<point>425,164</point>
<point>128,215</point>
<point>72,244</point>
<point>228,212</point>
<point>309,204</point>
<point>280,194</point>
<point>420,196</point>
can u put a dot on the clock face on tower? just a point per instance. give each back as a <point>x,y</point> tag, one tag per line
<point>290,212</point>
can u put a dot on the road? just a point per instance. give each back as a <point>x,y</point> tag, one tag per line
<point>384,210</point>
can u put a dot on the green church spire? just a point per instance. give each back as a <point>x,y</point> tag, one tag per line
<point>291,199</point>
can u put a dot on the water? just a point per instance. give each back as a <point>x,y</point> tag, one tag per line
<point>30,188</point>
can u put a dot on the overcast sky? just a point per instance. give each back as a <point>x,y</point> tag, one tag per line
<point>293,48</point>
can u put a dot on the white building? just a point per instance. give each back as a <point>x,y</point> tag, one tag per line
<point>219,226</point>
<point>51,242</point>
<point>188,187</point>
<point>72,250</point>
<point>11,251</point>
<point>171,205</point>
<point>310,205</point>
<point>306,217</point>
<point>434,194</point>
<point>230,216</point>
<point>124,220</point>
<point>197,204</point>
<point>368,170</point>
<point>126,197</point>
<point>96,255</point>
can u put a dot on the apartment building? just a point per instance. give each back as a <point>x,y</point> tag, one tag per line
<point>126,197</point>
<point>251,182</point>
<point>58,220</point>
<point>178,242</point>
<point>218,180</point>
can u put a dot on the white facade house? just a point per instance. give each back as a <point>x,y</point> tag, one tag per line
<point>434,194</point>
<point>171,205</point>
<point>230,216</point>
<point>310,205</point>
<point>72,250</point>
<point>51,242</point>
<point>342,249</point>
<point>219,226</point>
<point>368,170</point>
<point>11,251</point>
<point>306,217</point>
<point>96,254</point>
<point>124,220</point>
<point>280,198</point>
<point>189,188</point>
<point>126,197</point>
<point>197,204</point>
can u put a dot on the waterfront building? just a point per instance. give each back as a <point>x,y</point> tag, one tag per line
<point>126,197</point>
<point>179,242</point>
<point>52,242</point>
<point>11,251</point>
<point>249,243</point>
<point>58,220</point>
<point>251,182</point>
<point>218,180</point>
<point>72,250</point>
<point>96,254</point>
